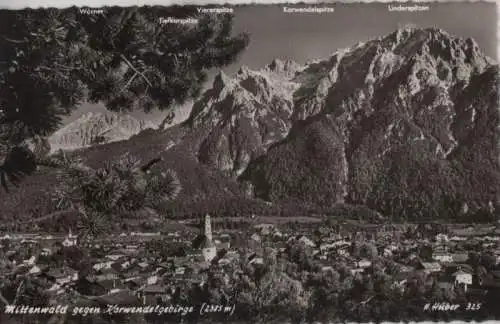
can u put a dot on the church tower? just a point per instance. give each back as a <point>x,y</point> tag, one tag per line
<point>208,228</point>
<point>208,247</point>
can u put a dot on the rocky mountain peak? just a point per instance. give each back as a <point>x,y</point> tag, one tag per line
<point>413,97</point>
<point>244,114</point>
<point>286,68</point>
<point>221,81</point>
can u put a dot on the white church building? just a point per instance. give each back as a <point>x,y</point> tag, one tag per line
<point>204,241</point>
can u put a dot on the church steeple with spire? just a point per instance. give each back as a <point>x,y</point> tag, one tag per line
<point>207,246</point>
<point>207,228</point>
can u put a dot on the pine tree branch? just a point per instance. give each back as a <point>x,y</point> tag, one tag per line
<point>15,41</point>
<point>129,82</point>
<point>136,71</point>
<point>49,162</point>
<point>60,67</point>
<point>54,163</point>
<point>150,164</point>
<point>3,299</point>
<point>68,67</point>
<point>18,292</point>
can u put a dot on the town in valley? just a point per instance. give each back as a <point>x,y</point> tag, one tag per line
<point>268,164</point>
<point>456,263</point>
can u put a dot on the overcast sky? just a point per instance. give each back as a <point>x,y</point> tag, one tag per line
<point>302,37</point>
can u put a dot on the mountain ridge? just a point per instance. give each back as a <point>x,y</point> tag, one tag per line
<point>96,128</point>
<point>401,94</point>
<point>405,124</point>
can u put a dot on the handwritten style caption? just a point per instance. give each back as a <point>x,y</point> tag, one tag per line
<point>447,307</point>
<point>182,310</point>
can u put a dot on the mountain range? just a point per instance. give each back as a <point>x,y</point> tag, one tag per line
<point>405,124</point>
<point>96,128</point>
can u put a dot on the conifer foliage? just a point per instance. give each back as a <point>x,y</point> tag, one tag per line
<point>52,60</point>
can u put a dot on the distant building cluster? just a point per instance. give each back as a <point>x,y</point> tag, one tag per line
<point>149,267</point>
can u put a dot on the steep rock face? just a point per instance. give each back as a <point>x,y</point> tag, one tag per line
<point>478,132</point>
<point>96,128</point>
<point>309,166</point>
<point>406,124</point>
<point>244,115</point>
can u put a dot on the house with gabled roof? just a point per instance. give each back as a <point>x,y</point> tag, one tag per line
<point>121,297</point>
<point>430,267</point>
<point>462,278</point>
<point>363,263</point>
<point>460,257</point>
<point>306,241</point>
<point>151,293</point>
<point>442,256</point>
<point>400,279</point>
<point>62,276</point>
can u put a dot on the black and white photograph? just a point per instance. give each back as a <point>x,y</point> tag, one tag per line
<point>254,163</point>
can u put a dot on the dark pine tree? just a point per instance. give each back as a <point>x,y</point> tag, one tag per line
<point>52,60</point>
